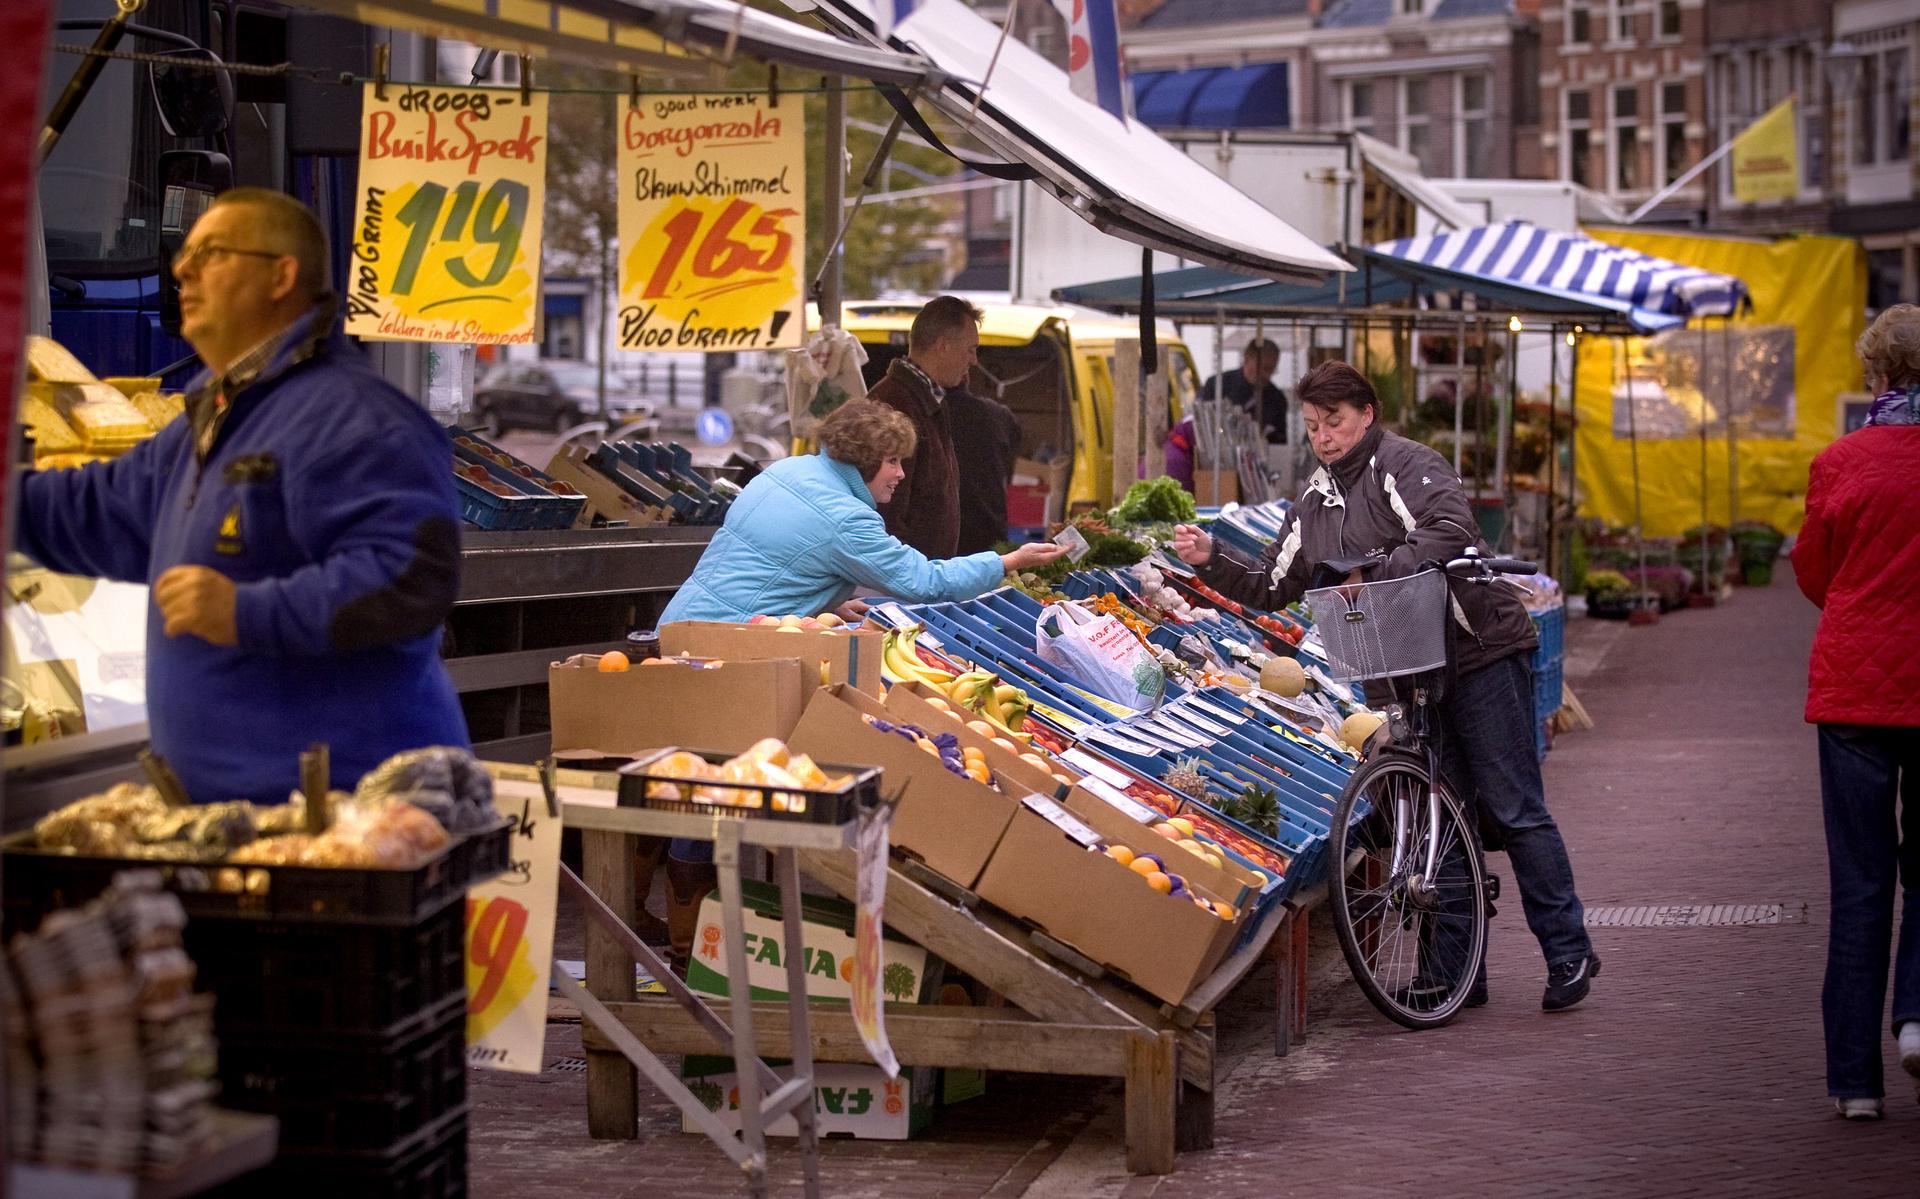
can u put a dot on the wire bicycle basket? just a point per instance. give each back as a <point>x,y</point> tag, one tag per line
<point>1383,630</point>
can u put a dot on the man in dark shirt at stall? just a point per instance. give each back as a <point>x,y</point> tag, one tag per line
<point>1252,388</point>
<point>986,439</point>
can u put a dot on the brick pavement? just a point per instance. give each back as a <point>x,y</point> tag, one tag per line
<point>1695,1069</point>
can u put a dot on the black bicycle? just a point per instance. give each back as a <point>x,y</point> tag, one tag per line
<point>1409,887</point>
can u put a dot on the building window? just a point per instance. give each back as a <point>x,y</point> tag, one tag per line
<point>1412,8</point>
<point>1579,23</point>
<point>1473,154</point>
<point>1416,122</point>
<point>1623,138</point>
<point>1577,140</point>
<point>1813,118</point>
<point>1669,18</point>
<point>1360,118</point>
<point>1673,132</point>
<point>1620,28</point>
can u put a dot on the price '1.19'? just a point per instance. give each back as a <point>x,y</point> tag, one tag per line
<point>494,219</point>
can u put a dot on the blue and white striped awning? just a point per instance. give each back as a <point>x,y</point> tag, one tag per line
<point>1518,252</point>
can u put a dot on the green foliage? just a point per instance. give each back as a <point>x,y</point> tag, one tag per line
<point>1154,501</point>
<point>1256,807</point>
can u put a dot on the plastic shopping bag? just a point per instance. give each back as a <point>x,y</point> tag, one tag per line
<point>823,376</point>
<point>1101,655</point>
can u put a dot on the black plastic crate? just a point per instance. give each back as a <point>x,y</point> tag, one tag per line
<point>861,793</point>
<point>432,1164</point>
<point>299,979</point>
<point>344,1093</point>
<point>39,881</point>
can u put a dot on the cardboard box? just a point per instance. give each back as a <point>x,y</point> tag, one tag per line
<point>1205,481</point>
<point>837,657</point>
<point>726,707</point>
<point>1049,478</point>
<point>1229,881</point>
<point>826,929</point>
<point>949,822</point>
<point>909,702</point>
<point>1080,896</point>
<point>849,1099</point>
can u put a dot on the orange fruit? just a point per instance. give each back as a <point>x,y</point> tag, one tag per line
<point>1144,866</point>
<point>929,746</point>
<point>981,727</point>
<point>613,661</point>
<point>1168,831</point>
<point>1120,854</point>
<point>1159,882</point>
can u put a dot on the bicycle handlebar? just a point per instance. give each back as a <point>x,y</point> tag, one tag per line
<point>1505,566</point>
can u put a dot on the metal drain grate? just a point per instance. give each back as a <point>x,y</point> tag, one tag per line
<point>569,1065</point>
<point>1695,915</point>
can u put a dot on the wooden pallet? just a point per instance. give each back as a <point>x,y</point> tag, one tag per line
<point>1069,1017</point>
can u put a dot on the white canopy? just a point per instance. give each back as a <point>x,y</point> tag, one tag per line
<point>633,35</point>
<point>1121,176</point>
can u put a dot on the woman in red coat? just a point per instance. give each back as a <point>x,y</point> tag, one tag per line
<point>1858,557</point>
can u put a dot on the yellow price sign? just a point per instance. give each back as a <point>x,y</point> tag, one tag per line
<point>713,218</point>
<point>447,228</point>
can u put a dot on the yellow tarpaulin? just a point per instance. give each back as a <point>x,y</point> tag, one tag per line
<point>1789,359</point>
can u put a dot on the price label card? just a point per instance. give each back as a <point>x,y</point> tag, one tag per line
<point>1120,800</point>
<point>446,231</point>
<point>713,226</point>
<point>1062,819</point>
<point>510,932</point>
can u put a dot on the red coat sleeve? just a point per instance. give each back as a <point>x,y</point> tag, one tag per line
<point>1813,548</point>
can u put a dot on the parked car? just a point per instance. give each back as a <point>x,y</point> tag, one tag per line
<point>552,394</point>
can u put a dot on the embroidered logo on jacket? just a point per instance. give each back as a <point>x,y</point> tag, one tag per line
<point>227,539</point>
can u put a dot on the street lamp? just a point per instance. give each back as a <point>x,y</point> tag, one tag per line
<point>1844,61</point>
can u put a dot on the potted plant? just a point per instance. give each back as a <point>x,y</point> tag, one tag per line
<point>1610,595</point>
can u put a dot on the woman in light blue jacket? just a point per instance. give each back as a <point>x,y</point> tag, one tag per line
<point>807,531</point>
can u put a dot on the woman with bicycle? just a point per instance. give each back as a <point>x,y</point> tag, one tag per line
<point>1382,507</point>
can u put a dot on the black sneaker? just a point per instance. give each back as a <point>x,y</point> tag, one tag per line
<point>1568,982</point>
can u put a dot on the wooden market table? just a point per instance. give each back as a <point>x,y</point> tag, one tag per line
<point>1068,1018</point>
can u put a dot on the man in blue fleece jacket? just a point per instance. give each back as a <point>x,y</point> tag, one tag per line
<point>298,527</point>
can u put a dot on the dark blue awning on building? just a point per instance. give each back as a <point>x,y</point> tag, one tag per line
<point>564,304</point>
<point>1252,97</point>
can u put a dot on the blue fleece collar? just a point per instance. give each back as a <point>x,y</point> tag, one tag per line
<point>849,475</point>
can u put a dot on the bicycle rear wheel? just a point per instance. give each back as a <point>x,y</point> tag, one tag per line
<point>1414,943</point>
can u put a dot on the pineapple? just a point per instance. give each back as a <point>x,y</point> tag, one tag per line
<point>1187,778</point>
<point>1259,809</point>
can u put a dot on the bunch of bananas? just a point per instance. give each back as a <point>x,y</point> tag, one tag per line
<point>977,691</point>
<point>900,661</point>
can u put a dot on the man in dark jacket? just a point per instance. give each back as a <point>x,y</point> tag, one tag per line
<point>942,345</point>
<point>298,528</point>
<point>986,440</point>
<point>1252,388</point>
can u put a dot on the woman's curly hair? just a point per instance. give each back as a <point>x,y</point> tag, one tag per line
<point>1891,347</point>
<point>864,434</point>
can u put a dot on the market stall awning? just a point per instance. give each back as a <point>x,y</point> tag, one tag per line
<point>1254,97</point>
<point>1521,254</point>
<point>1401,171</point>
<point>1379,279</point>
<point>651,36</point>
<point>1120,176</point>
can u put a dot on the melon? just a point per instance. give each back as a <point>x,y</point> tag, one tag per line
<point>1283,677</point>
<point>1355,729</point>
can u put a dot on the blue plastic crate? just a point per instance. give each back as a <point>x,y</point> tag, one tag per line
<point>485,510</point>
<point>1551,625</point>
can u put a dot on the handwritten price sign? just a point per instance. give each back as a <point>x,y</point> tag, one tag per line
<point>713,218</point>
<point>510,936</point>
<point>446,242</point>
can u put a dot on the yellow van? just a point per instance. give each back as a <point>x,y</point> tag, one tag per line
<point>1054,368</point>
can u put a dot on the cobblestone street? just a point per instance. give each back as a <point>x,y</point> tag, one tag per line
<point>1694,1069</point>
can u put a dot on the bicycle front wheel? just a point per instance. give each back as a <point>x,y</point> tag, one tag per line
<point>1408,891</point>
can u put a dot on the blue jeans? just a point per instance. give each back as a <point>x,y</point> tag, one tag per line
<point>1487,749</point>
<point>1865,773</point>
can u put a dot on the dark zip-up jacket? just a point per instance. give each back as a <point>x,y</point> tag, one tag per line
<point>327,496</point>
<point>1397,504</point>
<point>925,509</point>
